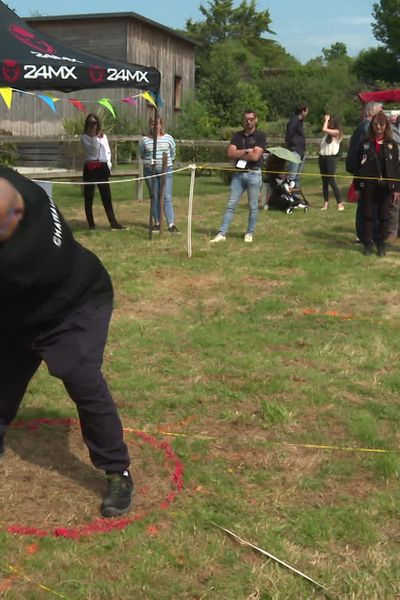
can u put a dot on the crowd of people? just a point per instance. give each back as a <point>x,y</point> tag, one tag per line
<point>378,205</point>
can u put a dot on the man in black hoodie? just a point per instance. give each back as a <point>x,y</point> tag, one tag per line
<point>55,306</point>
<point>296,141</point>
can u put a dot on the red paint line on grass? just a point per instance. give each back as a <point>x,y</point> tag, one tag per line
<point>103,525</point>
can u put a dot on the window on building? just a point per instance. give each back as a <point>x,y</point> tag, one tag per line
<point>178,93</point>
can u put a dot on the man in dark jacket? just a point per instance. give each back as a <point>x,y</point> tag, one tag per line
<point>55,306</point>
<point>296,142</point>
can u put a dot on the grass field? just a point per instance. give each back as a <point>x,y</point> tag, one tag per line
<point>275,365</point>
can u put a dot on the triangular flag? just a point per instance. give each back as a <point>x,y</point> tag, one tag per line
<point>149,98</point>
<point>130,100</point>
<point>107,104</point>
<point>49,101</point>
<point>157,98</point>
<point>6,94</point>
<point>78,104</point>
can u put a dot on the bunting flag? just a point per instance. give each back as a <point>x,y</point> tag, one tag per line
<point>130,100</point>
<point>107,104</point>
<point>157,98</point>
<point>49,101</point>
<point>147,96</point>
<point>153,97</point>
<point>6,94</point>
<point>78,104</point>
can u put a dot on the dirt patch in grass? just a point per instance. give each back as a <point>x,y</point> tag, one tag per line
<point>174,289</point>
<point>47,479</point>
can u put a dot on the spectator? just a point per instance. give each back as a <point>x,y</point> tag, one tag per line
<point>378,181</point>
<point>245,149</point>
<point>393,228</point>
<point>329,150</point>
<point>165,145</point>
<point>55,306</point>
<point>356,140</point>
<point>296,142</point>
<point>97,168</point>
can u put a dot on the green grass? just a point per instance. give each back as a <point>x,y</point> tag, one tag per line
<point>251,353</point>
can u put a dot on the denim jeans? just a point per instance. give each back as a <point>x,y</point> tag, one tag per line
<point>154,187</point>
<point>249,181</point>
<point>295,170</point>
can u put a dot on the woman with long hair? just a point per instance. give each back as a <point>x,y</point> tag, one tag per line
<point>328,152</point>
<point>165,145</point>
<point>97,169</point>
<point>377,179</point>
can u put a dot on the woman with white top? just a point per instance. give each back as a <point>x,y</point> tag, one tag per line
<point>329,150</point>
<point>97,168</point>
<point>165,145</point>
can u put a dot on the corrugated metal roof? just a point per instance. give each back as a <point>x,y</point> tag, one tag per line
<point>124,15</point>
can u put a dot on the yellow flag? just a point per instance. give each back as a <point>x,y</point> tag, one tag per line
<point>149,98</point>
<point>6,94</point>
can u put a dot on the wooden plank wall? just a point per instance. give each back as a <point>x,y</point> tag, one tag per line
<point>123,39</point>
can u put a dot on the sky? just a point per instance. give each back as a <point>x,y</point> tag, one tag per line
<point>302,27</point>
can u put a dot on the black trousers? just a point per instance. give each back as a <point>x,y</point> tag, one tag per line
<point>376,202</point>
<point>101,174</point>
<point>73,352</point>
<point>327,168</point>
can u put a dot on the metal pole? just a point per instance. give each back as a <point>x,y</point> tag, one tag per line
<point>153,171</point>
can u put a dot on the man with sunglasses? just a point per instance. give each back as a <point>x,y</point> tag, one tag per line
<point>55,306</point>
<point>245,150</point>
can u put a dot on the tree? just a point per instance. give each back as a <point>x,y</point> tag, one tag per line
<point>337,51</point>
<point>222,21</point>
<point>377,64</point>
<point>386,28</point>
<point>224,93</point>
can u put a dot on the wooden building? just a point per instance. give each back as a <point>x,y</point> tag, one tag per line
<point>126,37</point>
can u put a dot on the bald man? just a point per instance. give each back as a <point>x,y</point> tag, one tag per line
<point>55,306</point>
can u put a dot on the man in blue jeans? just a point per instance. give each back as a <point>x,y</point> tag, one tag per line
<point>296,141</point>
<point>245,149</point>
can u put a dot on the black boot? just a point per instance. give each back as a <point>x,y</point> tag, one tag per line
<point>118,496</point>
<point>367,251</point>
<point>381,250</point>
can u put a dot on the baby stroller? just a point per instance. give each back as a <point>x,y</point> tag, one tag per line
<point>282,193</point>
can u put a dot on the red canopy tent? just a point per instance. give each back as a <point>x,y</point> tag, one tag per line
<point>381,96</point>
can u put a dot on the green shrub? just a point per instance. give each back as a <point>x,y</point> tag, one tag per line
<point>8,153</point>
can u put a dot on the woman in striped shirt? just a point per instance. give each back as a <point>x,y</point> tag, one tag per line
<point>165,145</point>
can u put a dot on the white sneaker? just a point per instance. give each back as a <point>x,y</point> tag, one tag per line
<point>248,238</point>
<point>218,238</point>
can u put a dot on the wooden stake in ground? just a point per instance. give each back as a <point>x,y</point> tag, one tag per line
<point>162,186</point>
<point>278,560</point>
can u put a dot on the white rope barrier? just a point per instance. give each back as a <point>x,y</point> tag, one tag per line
<point>111,181</point>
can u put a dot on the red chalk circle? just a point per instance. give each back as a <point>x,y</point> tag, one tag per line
<point>105,525</point>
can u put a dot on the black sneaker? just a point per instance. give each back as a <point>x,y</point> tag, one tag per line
<point>174,229</point>
<point>2,451</point>
<point>118,497</point>
<point>155,229</point>
<point>118,227</point>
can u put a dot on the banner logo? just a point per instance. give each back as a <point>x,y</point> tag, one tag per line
<point>49,72</point>
<point>11,70</point>
<point>29,39</point>
<point>96,74</point>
